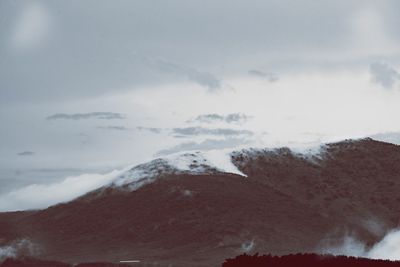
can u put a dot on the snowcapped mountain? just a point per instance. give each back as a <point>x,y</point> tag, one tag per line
<point>40,196</point>
<point>197,209</point>
<point>204,163</point>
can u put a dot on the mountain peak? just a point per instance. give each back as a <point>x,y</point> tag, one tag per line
<point>194,163</point>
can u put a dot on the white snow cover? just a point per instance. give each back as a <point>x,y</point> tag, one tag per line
<point>179,163</point>
<point>311,152</point>
<point>217,159</point>
<point>308,151</point>
<point>222,159</point>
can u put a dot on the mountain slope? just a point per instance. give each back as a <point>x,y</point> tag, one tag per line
<point>288,203</point>
<point>203,213</point>
<point>356,180</point>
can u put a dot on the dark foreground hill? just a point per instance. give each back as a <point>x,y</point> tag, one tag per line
<point>309,260</point>
<point>288,203</point>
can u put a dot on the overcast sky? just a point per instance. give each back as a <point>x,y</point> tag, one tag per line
<point>98,85</point>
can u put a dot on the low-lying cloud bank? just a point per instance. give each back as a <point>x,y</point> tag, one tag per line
<point>39,196</point>
<point>387,249</point>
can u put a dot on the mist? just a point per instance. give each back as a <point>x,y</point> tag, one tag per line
<point>388,248</point>
<point>18,248</point>
<point>41,196</point>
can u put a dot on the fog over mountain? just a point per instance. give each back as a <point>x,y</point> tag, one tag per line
<point>91,90</point>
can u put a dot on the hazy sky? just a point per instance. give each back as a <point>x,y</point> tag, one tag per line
<point>104,84</point>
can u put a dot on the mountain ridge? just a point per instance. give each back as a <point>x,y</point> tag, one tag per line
<point>288,203</point>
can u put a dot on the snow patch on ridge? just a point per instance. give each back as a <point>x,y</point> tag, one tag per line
<point>311,153</point>
<point>143,174</point>
<point>203,162</point>
<point>306,151</point>
<point>223,159</point>
<point>193,163</point>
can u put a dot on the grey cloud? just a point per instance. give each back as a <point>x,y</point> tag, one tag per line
<point>26,153</point>
<point>236,118</point>
<point>98,46</point>
<point>229,118</point>
<point>208,118</point>
<point>113,127</point>
<point>271,77</point>
<point>85,116</point>
<point>193,131</point>
<point>208,144</point>
<point>180,136</point>
<point>384,74</point>
<point>202,78</point>
<point>150,129</point>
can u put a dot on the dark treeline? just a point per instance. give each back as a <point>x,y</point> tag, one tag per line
<point>297,260</point>
<point>307,260</point>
